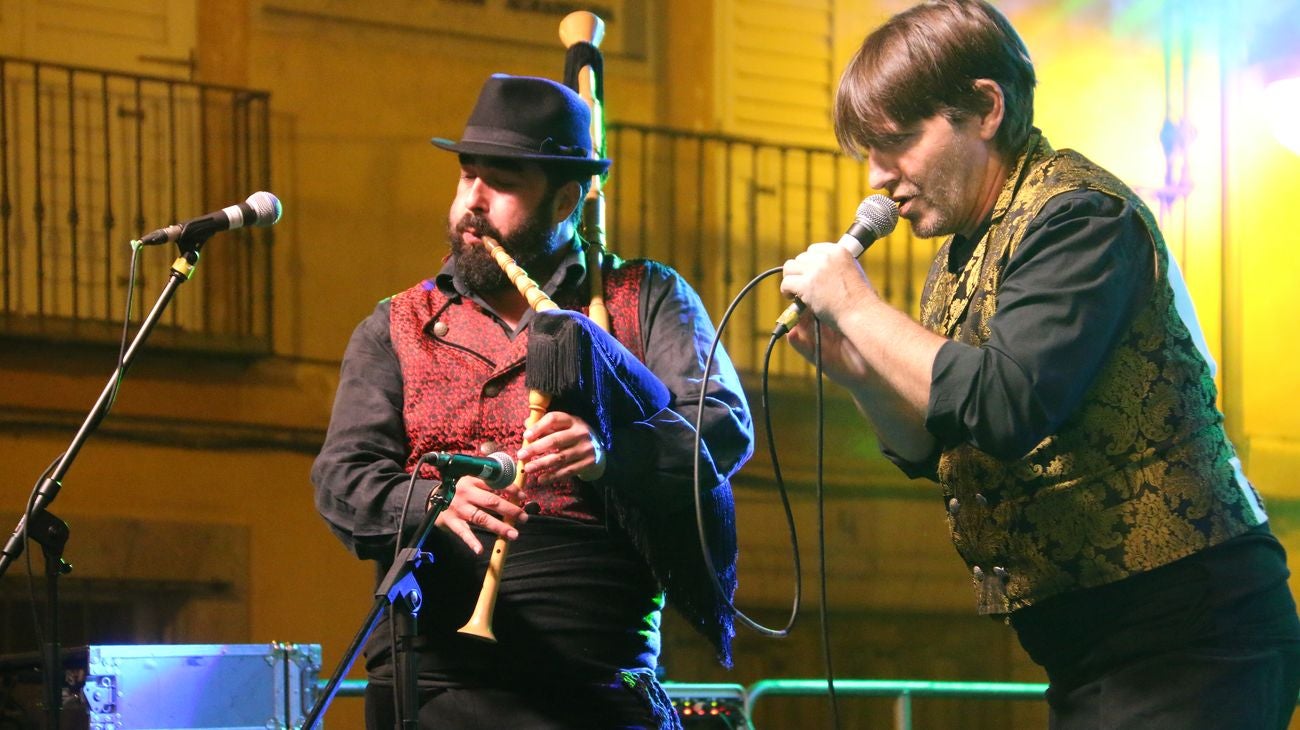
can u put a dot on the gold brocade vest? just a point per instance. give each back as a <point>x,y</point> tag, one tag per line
<point>1141,475</point>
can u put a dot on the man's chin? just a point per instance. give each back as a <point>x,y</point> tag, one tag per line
<point>928,227</point>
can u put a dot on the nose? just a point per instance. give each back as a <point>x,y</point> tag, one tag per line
<point>882,173</point>
<point>474,197</point>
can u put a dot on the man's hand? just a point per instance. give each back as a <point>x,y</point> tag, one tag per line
<point>476,504</point>
<point>828,280</point>
<point>831,284</point>
<point>841,361</point>
<point>561,445</point>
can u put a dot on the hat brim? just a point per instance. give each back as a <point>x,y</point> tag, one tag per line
<point>486,149</point>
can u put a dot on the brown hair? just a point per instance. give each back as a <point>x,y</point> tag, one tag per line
<point>924,61</point>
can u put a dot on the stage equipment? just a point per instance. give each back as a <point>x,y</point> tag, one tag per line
<point>709,706</point>
<point>178,687</point>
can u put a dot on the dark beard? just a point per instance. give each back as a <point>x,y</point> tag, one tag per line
<point>531,243</point>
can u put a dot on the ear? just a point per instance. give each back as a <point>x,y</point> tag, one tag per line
<point>566,200</point>
<point>990,121</point>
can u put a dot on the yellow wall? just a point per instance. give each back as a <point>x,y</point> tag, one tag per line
<point>1102,91</point>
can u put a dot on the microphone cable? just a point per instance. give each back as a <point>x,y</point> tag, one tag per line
<point>30,508</point>
<point>785,499</point>
<point>823,612</point>
<point>400,710</point>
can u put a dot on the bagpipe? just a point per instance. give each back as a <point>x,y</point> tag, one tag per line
<point>570,355</point>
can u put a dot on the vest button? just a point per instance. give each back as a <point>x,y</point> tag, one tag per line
<point>978,572</point>
<point>489,447</point>
<point>440,329</point>
<point>981,500</point>
<point>954,506</point>
<point>491,390</point>
<point>1001,572</point>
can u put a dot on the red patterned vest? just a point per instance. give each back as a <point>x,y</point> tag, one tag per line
<point>463,377</point>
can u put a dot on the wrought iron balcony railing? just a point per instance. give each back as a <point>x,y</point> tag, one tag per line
<point>722,209</point>
<point>91,159</point>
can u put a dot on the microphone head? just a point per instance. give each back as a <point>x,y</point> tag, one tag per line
<point>267,208</point>
<point>878,213</point>
<point>507,476</point>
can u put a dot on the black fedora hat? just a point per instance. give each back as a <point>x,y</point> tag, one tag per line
<point>529,118</point>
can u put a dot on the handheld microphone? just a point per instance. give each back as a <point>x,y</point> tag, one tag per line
<point>876,217</point>
<point>260,209</point>
<point>497,470</point>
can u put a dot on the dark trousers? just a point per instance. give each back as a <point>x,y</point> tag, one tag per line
<point>1211,642</point>
<point>553,708</point>
<point>1186,690</point>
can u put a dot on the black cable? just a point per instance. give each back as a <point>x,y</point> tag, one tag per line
<point>781,490</point>
<point>398,670</point>
<point>821,528</point>
<point>780,483</point>
<point>126,323</point>
<point>37,627</point>
<point>30,507</point>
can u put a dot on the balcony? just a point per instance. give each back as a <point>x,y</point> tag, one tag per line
<point>92,159</point>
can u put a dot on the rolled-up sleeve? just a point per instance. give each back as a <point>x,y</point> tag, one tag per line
<point>1068,294</point>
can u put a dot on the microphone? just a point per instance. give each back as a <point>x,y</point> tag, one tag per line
<point>497,470</point>
<point>876,217</point>
<point>260,209</point>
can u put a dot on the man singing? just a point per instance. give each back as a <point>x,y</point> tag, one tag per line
<point>1057,388</point>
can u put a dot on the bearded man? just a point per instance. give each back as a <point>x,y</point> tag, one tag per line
<point>609,529</point>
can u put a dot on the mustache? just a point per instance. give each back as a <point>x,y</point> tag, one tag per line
<point>480,225</point>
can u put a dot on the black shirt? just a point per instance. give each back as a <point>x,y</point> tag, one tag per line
<point>1067,295</point>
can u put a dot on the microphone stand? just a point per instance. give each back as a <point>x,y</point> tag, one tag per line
<point>400,590</point>
<point>50,532</point>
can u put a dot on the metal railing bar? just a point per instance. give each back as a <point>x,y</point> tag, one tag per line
<point>903,690</point>
<point>173,170</point>
<point>141,277</point>
<point>717,137</point>
<point>109,222</point>
<point>268,276</point>
<point>205,316</point>
<point>38,201</point>
<point>73,215</point>
<point>5,205</point>
<point>108,73</point>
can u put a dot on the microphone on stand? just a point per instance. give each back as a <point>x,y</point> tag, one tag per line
<point>876,217</point>
<point>497,470</point>
<point>260,209</point>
